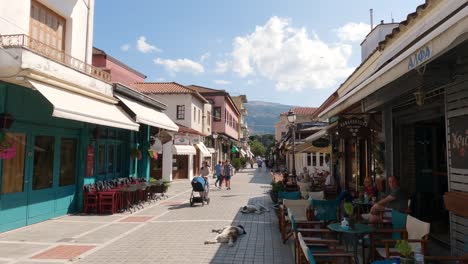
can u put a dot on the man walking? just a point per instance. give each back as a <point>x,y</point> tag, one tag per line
<point>228,172</point>
<point>218,169</point>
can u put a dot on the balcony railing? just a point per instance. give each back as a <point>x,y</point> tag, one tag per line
<point>24,41</point>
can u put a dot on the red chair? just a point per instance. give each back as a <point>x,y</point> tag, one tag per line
<point>90,200</point>
<point>107,202</point>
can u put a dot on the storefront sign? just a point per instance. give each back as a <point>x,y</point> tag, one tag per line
<point>90,160</point>
<point>353,127</point>
<point>459,142</point>
<point>195,139</point>
<point>321,143</point>
<point>181,140</point>
<point>419,57</point>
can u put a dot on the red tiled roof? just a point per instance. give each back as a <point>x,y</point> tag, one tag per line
<point>202,89</point>
<point>184,129</point>
<point>161,88</point>
<point>302,110</point>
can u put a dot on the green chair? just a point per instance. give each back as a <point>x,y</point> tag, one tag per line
<point>289,195</point>
<point>326,210</point>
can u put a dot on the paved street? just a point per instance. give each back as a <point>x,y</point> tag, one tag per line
<point>169,231</point>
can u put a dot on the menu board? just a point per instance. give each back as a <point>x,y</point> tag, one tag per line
<point>459,141</point>
<point>90,160</point>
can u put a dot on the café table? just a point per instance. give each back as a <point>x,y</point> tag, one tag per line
<point>354,233</point>
<point>362,205</point>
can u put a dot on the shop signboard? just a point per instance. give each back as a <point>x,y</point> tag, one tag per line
<point>321,142</point>
<point>181,140</point>
<point>353,127</point>
<point>195,139</point>
<point>459,141</point>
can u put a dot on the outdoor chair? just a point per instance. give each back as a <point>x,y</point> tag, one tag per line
<point>297,207</point>
<point>416,233</point>
<point>307,256</point>
<point>325,210</point>
<point>317,239</point>
<point>289,195</point>
<point>90,199</point>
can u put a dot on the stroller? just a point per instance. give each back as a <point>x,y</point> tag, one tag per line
<point>199,185</point>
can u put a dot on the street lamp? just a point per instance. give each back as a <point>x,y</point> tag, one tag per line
<point>292,121</point>
<point>215,136</point>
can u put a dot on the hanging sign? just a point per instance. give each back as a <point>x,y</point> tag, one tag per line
<point>90,160</point>
<point>321,143</point>
<point>181,140</point>
<point>353,127</point>
<point>195,139</point>
<point>459,142</point>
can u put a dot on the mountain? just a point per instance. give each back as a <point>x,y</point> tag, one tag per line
<point>262,116</point>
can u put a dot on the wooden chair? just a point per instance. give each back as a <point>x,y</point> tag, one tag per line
<point>298,208</point>
<point>416,233</point>
<point>307,256</point>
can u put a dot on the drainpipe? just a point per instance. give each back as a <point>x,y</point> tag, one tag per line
<point>88,4</point>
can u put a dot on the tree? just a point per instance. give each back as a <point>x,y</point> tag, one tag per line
<point>257,148</point>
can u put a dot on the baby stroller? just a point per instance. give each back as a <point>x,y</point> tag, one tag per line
<point>199,185</point>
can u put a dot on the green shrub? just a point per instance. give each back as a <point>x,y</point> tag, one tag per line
<point>236,163</point>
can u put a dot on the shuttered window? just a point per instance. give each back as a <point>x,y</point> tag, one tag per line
<point>47,26</point>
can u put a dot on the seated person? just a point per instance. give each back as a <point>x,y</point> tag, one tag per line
<point>394,200</point>
<point>380,184</point>
<point>329,179</point>
<point>369,189</point>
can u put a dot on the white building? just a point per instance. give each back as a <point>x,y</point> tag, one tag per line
<point>187,108</point>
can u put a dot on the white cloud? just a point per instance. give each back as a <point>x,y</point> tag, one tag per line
<point>125,47</point>
<point>353,32</point>
<point>205,56</point>
<point>251,82</point>
<point>160,79</point>
<point>222,82</point>
<point>180,65</point>
<point>145,47</point>
<point>289,56</point>
<point>221,67</point>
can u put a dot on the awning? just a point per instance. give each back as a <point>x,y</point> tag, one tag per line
<point>428,48</point>
<point>203,150</point>
<point>78,107</point>
<point>309,148</point>
<point>243,153</point>
<point>317,135</point>
<point>148,116</point>
<point>211,150</point>
<point>183,150</point>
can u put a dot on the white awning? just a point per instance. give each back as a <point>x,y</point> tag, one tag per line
<point>148,116</point>
<point>211,150</point>
<point>78,107</point>
<point>203,150</point>
<point>434,44</point>
<point>183,150</point>
<point>243,153</point>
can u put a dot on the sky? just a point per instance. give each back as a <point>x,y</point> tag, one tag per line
<point>294,52</point>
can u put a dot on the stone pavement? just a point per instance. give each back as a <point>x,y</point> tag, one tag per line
<point>168,231</point>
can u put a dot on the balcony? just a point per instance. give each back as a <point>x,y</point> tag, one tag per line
<point>59,56</point>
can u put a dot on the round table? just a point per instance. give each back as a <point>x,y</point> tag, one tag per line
<point>355,233</point>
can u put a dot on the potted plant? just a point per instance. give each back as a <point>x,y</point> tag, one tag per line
<point>275,188</point>
<point>349,210</point>
<point>236,163</point>
<point>405,251</point>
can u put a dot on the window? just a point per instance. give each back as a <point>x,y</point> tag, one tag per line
<point>314,159</point>
<point>321,159</point>
<point>194,114</point>
<point>217,114</point>
<point>101,159</point>
<point>309,159</point>
<point>208,116</point>
<point>180,112</point>
<point>67,162</point>
<point>43,172</point>
<point>110,159</point>
<point>199,116</point>
<point>13,169</point>
<point>46,26</point>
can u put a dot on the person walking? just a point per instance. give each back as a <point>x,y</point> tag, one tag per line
<point>205,172</point>
<point>218,170</point>
<point>251,163</point>
<point>228,172</point>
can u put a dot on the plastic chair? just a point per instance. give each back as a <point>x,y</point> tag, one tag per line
<point>90,200</point>
<point>325,210</point>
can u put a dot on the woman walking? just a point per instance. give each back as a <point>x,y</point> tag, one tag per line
<point>218,172</point>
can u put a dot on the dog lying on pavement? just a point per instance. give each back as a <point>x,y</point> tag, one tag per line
<point>228,234</point>
<point>254,208</point>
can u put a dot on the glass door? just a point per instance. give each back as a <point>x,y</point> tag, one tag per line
<point>13,195</point>
<point>42,195</point>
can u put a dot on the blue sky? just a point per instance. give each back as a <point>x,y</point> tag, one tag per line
<point>293,52</point>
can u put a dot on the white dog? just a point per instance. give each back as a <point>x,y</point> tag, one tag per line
<point>228,234</point>
<point>254,208</point>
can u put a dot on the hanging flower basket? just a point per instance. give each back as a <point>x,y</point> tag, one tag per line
<point>153,154</point>
<point>7,149</point>
<point>136,154</point>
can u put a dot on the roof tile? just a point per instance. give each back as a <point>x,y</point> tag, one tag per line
<point>161,88</point>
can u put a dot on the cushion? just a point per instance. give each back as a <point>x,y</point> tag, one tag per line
<point>298,208</point>
<point>289,195</point>
<point>303,245</point>
<point>416,229</point>
<point>316,195</point>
